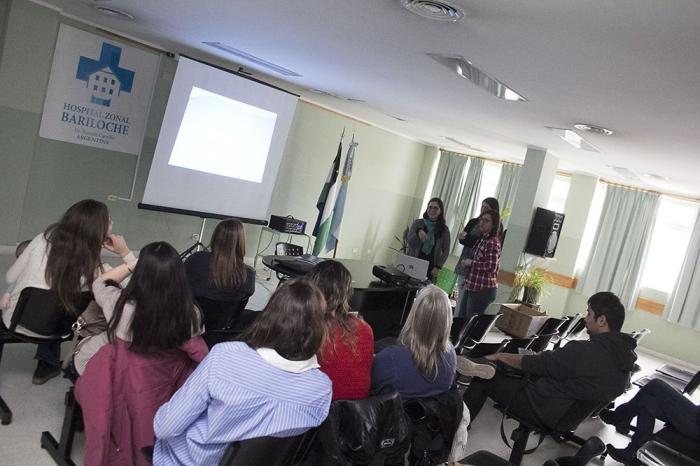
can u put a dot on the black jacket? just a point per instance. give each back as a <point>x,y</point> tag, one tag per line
<point>595,370</point>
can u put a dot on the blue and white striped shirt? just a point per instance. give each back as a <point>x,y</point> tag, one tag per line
<point>233,395</point>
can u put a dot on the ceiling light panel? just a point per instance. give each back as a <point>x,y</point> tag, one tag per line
<point>574,139</point>
<point>253,59</point>
<point>466,69</point>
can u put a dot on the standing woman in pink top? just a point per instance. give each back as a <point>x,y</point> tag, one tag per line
<point>482,282</point>
<point>346,354</point>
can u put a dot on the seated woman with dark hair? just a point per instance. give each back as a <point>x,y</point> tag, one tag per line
<point>146,353</point>
<point>65,258</point>
<point>346,356</point>
<point>424,362</point>
<point>268,384</point>
<point>221,275</point>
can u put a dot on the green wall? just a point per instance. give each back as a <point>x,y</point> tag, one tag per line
<point>39,178</point>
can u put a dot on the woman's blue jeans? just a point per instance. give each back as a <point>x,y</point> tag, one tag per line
<point>658,400</point>
<point>478,301</point>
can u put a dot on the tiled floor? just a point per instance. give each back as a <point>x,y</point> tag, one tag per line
<point>39,408</point>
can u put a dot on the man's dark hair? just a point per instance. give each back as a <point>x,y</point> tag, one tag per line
<point>605,303</point>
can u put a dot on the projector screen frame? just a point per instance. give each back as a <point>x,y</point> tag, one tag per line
<point>202,215</point>
<point>211,215</point>
<point>240,75</point>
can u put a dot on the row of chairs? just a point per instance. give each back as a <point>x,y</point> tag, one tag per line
<point>379,430</point>
<point>468,337</point>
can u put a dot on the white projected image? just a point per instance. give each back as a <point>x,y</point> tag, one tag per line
<point>223,136</point>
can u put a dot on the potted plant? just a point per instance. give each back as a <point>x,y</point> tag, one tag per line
<point>403,242</point>
<point>532,281</point>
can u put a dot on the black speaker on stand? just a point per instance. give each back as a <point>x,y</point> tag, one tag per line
<point>544,233</point>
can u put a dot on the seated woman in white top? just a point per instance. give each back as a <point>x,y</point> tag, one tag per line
<point>66,259</point>
<point>269,384</point>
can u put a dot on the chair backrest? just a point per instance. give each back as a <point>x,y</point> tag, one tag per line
<point>541,342</point>
<point>218,315</point>
<point>364,431</point>
<point>693,384</point>
<point>568,325</point>
<point>590,449</point>
<point>551,325</point>
<point>476,329</point>
<point>482,349</point>
<point>41,312</point>
<point>270,451</point>
<point>384,309</point>
<point>577,329</point>
<point>515,344</point>
<point>639,334</point>
<point>288,249</point>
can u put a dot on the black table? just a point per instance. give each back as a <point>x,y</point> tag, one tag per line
<point>384,307</point>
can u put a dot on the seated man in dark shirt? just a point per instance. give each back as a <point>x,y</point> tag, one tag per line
<point>589,370</point>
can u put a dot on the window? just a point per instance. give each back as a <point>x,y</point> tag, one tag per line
<point>669,244</point>
<point>490,174</point>
<point>591,227</point>
<point>559,193</point>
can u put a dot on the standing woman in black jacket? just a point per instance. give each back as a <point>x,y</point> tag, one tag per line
<point>468,238</point>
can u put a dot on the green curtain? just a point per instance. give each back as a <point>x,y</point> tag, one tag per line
<point>468,201</point>
<point>620,244</point>
<point>507,187</point>
<point>684,306</point>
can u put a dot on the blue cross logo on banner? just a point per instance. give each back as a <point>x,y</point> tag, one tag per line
<point>104,78</point>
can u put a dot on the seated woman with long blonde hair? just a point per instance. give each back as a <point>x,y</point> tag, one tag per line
<point>423,364</point>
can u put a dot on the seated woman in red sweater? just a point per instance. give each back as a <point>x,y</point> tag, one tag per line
<point>346,354</point>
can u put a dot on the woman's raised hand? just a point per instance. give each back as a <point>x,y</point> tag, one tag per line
<point>116,244</point>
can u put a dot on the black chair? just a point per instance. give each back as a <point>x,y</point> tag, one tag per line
<point>565,328</point>
<point>220,319</point>
<point>639,334</point>
<point>551,325</point>
<point>565,429</point>
<point>541,342</point>
<point>41,312</point>
<point>673,440</point>
<point>577,329</point>
<point>591,448</point>
<point>385,309</point>
<point>374,430</point>
<point>475,330</point>
<point>268,451</point>
<point>60,450</point>
<point>287,249</point>
<point>509,345</point>
<point>5,413</point>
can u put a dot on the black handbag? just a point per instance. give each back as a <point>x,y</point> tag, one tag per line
<point>375,430</point>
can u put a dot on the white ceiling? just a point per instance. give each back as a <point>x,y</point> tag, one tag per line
<point>630,65</point>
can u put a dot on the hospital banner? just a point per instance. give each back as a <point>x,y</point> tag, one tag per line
<point>99,92</point>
